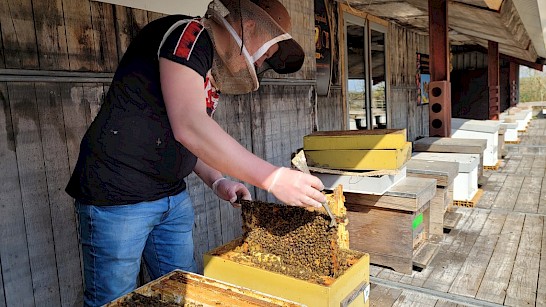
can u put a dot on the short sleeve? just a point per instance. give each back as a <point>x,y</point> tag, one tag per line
<point>190,45</point>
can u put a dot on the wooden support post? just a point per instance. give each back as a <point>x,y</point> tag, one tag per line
<point>514,84</point>
<point>493,79</point>
<point>440,89</point>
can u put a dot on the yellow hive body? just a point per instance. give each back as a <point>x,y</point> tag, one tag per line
<point>292,253</point>
<point>359,159</point>
<point>356,139</point>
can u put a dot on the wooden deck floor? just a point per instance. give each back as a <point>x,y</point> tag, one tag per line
<point>496,255</point>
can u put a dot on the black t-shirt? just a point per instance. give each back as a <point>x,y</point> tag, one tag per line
<point>129,153</point>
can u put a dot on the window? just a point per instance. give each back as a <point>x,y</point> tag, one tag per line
<point>365,73</point>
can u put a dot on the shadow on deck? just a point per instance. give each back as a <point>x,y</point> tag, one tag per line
<point>496,255</point>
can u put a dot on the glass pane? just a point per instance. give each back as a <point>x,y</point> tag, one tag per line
<point>379,105</point>
<point>356,70</point>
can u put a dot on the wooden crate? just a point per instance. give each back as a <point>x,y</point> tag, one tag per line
<point>444,172</point>
<point>393,228</point>
<point>352,288</point>
<point>179,287</point>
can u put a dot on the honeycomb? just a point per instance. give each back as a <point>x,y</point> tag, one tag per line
<point>294,241</point>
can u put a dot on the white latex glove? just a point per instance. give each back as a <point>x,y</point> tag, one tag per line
<point>295,188</point>
<point>230,190</point>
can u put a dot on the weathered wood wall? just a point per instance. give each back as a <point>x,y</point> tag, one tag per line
<point>56,60</point>
<point>403,111</point>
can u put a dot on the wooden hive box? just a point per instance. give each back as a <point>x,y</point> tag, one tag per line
<point>444,172</point>
<point>283,247</point>
<point>181,288</point>
<point>358,150</point>
<point>393,228</point>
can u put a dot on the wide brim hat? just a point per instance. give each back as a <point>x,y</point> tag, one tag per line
<point>290,56</point>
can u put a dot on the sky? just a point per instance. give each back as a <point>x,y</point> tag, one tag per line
<point>525,71</point>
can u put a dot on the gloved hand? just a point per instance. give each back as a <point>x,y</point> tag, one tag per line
<point>230,190</point>
<point>295,188</point>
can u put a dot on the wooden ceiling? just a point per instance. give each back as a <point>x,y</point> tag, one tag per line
<point>471,22</point>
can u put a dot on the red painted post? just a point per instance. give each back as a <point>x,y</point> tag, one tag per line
<point>493,79</point>
<point>440,87</point>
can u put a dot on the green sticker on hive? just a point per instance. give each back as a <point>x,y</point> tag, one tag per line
<point>417,221</point>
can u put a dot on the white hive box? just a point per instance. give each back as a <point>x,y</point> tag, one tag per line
<point>479,129</point>
<point>465,184</point>
<point>511,130</point>
<point>355,183</point>
<point>521,117</point>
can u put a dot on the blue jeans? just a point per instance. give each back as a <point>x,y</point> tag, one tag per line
<point>115,238</point>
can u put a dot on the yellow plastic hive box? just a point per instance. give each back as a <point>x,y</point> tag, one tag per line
<point>356,139</point>
<point>350,289</point>
<point>359,159</point>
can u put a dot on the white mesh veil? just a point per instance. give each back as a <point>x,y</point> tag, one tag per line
<point>233,68</point>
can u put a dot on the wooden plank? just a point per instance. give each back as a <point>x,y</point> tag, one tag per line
<point>542,202</point>
<point>196,188</point>
<point>469,277</point>
<point>356,139</point>
<point>383,296</point>
<point>450,262</point>
<point>506,199</point>
<point>425,254</point>
<point>495,281</point>
<point>359,159</point>
<point>512,165</point>
<point>61,205</point>
<point>77,117</point>
<point>444,172</point>
<point>35,198</point>
<point>529,195</point>
<point>129,22</point>
<point>539,167</point>
<point>15,270</point>
<point>491,189</point>
<point>51,35</point>
<point>412,298</point>
<point>83,48</point>
<point>409,195</point>
<point>541,288</point>
<point>102,16</point>
<point>522,288</point>
<point>451,219</point>
<point>419,278</point>
<point>18,35</point>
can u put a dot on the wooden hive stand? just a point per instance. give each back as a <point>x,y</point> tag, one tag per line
<point>393,228</point>
<point>442,214</point>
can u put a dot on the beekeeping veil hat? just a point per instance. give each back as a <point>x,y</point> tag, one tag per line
<point>233,67</point>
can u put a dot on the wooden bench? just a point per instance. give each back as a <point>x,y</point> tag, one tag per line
<point>393,228</point>
<point>444,172</point>
<point>465,185</point>
<point>480,129</point>
<point>454,145</point>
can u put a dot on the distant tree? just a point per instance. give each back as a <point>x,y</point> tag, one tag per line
<point>532,86</point>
